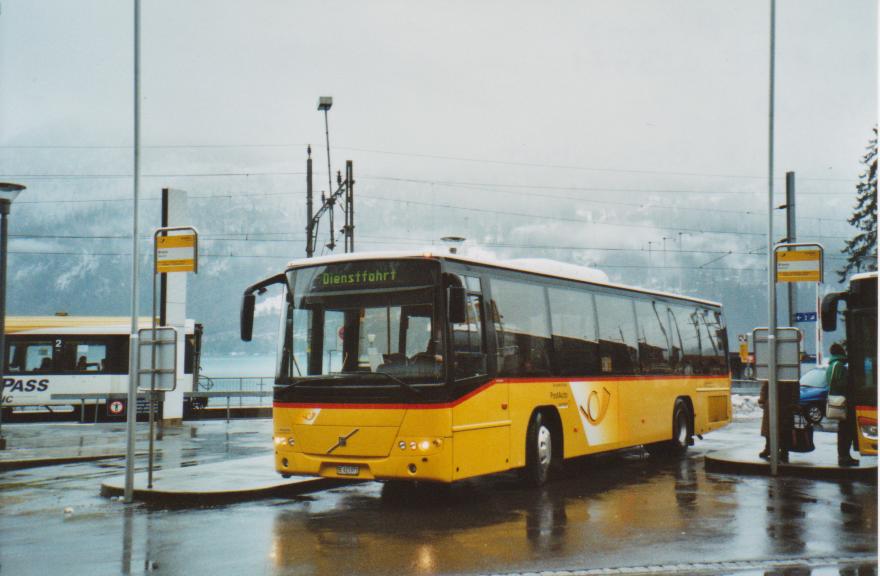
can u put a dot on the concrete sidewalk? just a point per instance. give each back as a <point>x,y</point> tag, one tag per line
<point>221,482</point>
<point>821,463</point>
<point>31,445</point>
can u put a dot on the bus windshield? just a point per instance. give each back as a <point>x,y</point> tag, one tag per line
<point>363,322</point>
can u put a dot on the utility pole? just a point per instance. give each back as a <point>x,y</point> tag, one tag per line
<point>344,193</point>
<point>349,207</point>
<point>791,238</point>
<point>772,391</point>
<point>310,247</point>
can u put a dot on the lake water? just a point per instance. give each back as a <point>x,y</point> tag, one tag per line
<point>238,366</point>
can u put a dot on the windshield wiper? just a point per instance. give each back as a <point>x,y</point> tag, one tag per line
<point>403,385</point>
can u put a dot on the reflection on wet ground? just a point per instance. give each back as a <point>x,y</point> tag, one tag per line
<point>624,509</point>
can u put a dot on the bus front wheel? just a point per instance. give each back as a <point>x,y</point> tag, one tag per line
<point>539,450</point>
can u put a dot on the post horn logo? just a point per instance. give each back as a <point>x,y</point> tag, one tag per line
<point>596,407</point>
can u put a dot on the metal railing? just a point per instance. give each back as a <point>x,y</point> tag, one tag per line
<point>746,387</point>
<point>241,388</point>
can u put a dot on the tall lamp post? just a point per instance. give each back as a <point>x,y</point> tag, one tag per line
<point>324,104</point>
<point>8,193</point>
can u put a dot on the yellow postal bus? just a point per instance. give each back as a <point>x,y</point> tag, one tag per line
<point>442,367</point>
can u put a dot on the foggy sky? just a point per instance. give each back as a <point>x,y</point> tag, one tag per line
<point>596,125</point>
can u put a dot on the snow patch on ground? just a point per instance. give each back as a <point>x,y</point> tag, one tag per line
<point>745,407</point>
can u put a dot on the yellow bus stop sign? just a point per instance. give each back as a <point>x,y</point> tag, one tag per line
<point>799,266</point>
<point>176,253</point>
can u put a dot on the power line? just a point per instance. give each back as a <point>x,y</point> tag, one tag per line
<point>118,176</point>
<point>432,157</point>
<point>384,240</point>
<point>289,258</point>
<point>587,189</point>
<point>577,220</point>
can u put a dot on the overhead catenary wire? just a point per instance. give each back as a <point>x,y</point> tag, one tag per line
<point>426,156</point>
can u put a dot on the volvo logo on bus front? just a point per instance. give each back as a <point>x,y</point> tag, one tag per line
<point>343,441</point>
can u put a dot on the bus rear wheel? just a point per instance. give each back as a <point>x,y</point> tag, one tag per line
<point>539,451</point>
<point>681,433</point>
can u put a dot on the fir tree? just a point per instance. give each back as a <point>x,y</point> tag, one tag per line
<point>861,251</point>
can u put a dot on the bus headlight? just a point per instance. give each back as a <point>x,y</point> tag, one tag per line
<point>868,428</point>
<point>421,445</point>
<point>282,440</point>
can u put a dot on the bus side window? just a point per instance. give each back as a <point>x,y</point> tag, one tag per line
<point>468,348</point>
<point>617,334</point>
<point>687,322</point>
<point>81,356</point>
<point>14,357</point>
<point>574,332</point>
<point>522,326</point>
<point>38,357</point>
<point>653,338</point>
<point>714,360</point>
<point>188,351</point>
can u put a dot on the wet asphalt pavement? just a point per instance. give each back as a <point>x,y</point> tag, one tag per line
<point>610,512</point>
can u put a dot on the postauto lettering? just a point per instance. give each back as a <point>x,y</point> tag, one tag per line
<point>329,279</point>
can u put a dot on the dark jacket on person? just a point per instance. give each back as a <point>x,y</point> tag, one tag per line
<point>835,376</point>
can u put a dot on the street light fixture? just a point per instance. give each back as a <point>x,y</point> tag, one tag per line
<point>324,104</point>
<point>8,193</point>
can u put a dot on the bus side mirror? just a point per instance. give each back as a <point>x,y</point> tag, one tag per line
<point>457,304</point>
<point>829,310</point>
<point>247,316</point>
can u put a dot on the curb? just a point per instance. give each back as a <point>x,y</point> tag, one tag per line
<point>723,462</point>
<point>6,465</point>
<point>184,499</point>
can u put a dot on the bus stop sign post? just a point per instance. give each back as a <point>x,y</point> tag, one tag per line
<point>803,262</point>
<point>792,265</point>
<point>177,252</point>
<point>160,376</point>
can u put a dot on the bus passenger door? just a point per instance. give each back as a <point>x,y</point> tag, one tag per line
<point>480,417</point>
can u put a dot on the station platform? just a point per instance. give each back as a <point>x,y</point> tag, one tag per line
<point>820,464</point>
<point>221,482</point>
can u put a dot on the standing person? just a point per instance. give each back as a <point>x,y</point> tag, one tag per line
<point>836,378</point>
<point>786,397</point>
<point>765,421</point>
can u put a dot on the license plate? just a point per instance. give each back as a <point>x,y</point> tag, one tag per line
<point>348,470</point>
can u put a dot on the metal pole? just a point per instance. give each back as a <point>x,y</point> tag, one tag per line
<point>349,178</point>
<point>152,375</point>
<point>4,235</point>
<point>329,170</point>
<point>771,260</point>
<point>132,364</point>
<point>818,326</point>
<point>791,235</point>
<point>163,278</point>
<point>310,248</point>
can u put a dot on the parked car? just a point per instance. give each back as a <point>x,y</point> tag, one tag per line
<point>814,394</point>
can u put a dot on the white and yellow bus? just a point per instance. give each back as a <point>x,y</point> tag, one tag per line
<point>67,355</point>
<point>442,367</point>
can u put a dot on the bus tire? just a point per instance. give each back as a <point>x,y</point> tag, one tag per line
<point>681,433</point>
<point>539,450</point>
